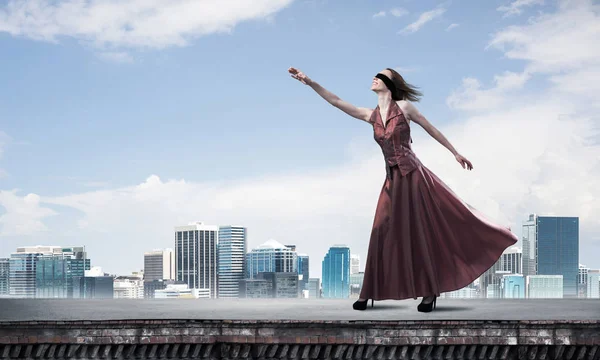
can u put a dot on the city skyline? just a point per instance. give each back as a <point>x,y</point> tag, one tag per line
<point>526,224</point>
<point>131,132</point>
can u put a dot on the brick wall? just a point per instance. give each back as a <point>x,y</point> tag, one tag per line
<point>301,339</point>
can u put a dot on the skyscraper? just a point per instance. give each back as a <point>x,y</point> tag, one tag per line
<point>159,265</point>
<point>25,278</point>
<point>336,272</point>
<point>271,256</point>
<point>55,271</point>
<point>529,238</point>
<point>354,263</point>
<point>232,250</point>
<point>303,273</point>
<point>4,276</point>
<point>196,256</point>
<point>553,249</point>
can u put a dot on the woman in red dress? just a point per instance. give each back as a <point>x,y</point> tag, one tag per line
<point>425,240</point>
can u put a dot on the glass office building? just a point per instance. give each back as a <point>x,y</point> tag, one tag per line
<point>54,272</point>
<point>232,249</point>
<point>336,272</point>
<point>272,256</point>
<point>196,256</point>
<point>551,247</point>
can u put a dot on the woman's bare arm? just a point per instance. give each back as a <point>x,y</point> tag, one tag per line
<point>415,115</point>
<point>360,113</point>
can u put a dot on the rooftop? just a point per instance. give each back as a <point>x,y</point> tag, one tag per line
<point>294,309</point>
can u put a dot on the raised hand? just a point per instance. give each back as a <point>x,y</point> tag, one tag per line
<point>299,75</point>
<point>463,162</point>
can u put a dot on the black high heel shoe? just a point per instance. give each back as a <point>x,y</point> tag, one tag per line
<point>361,305</point>
<point>427,307</point>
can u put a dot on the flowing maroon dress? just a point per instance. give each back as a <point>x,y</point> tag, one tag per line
<point>425,239</point>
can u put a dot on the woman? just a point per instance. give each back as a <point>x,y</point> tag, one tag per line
<point>425,240</point>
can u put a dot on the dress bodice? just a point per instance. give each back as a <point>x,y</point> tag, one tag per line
<point>394,139</point>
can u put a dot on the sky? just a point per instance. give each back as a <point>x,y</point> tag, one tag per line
<point>120,120</point>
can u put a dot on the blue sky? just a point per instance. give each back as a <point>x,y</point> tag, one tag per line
<point>120,120</point>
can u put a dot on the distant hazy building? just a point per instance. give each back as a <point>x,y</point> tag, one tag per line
<point>159,265</point>
<point>94,285</point>
<point>354,264</point>
<point>4,276</point>
<point>303,272</point>
<point>196,256</point>
<point>356,281</point>
<point>232,249</point>
<point>551,247</point>
<point>150,287</point>
<point>181,291</point>
<point>544,286</point>
<point>26,281</point>
<point>336,272</point>
<point>284,285</point>
<point>582,281</point>
<point>271,256</point>
<point>593,285</point>
<point>464,293</point>
<point>55,272</point>
<point>508,263</point>
<point>513,286</point>
<point>256,289</point>
<point>128,287</point>
<point>314,288</point>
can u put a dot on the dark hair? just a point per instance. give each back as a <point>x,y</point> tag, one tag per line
<point>404,90</point>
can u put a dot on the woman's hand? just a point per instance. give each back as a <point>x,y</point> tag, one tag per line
<point>463,162</point>
<point>299,75</point>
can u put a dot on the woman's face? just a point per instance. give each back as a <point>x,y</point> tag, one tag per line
<point>379,85</point>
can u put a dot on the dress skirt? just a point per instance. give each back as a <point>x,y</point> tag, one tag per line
<point>426,241</point>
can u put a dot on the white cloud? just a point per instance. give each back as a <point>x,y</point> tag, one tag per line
<point>423,19</point>
<point>130,23</point>
<point>562,41</point>
<point>396,12</point>
<point>470,96</point>
<point>116,57</point>
<point>515,7</point>
<point>23,215</point>
<point>399,12</point>
<point>403,70</point>
<point>451,27</point>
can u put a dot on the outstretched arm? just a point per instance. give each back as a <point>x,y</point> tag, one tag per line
<point>360,113</point>
<point>415,115</point>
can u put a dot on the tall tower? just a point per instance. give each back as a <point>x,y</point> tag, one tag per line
<point>530,246</point>
<point>336,272</point>
<point>232,259</point>
<point>196,256</point>
<point>552,245</point>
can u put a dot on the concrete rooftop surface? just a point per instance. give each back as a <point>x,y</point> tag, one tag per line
<point>294,309</point>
